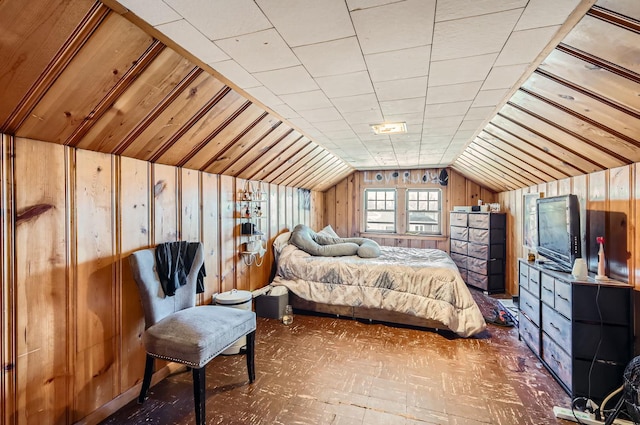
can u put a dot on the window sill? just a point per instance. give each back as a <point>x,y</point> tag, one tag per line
<point>404,236</point>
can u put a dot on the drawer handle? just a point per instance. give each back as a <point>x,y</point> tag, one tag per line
<point>554,326</point>
<point>563,298</point>
<point>554,359</point>
<point>547,289</point>
<point>529,305</point>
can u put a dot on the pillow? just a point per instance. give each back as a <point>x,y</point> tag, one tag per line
<point>319,245</point>
<point>281,241</point>
<point>328,231</point>
<point>369,249</point>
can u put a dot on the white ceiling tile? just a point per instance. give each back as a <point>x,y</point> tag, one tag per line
<point>443,122</point>
<point>301,123</point>
<point>437,141</point>
<point>394,26</point>
<point>285,111</point>
<point>222,18</point>
<point>432,132</point>
<point>401,89</point>
<point>446,109</point>
<point>490,97</point>
<point>470,124</point>
<point>504,77</point>
<point>464,70</point>
<point>340,135</point>
<point>153,12</point>
<point>361,102</point>
<point>413,139</point>
<point>321,114</point>
<point>264,95</point>
<point>310,100</point>
<point>304,22</point>
<point>186,36</point>
<point>478,113</point>
<point>525,46</point>
<point>473,36</point>
<point>393,107</point>
<point>363,117</point>
<point>336,125</point>
<point>259,51</point>
<point>372,137</point>
<point>332,57</point>
<point>453,93</point>
<point>448,10</point>
<point>234,72</point>
<point>346,84</point>
<point>399,64</point>
<point>542,13</point>
<point>414,120</point>
<point>287,80</point>
<point>464,134</point>
<point>363,4</point>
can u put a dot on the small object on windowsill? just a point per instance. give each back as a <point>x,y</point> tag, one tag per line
<point>601,260</point>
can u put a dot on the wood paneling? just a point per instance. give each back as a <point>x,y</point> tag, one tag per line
<point>78,320</point>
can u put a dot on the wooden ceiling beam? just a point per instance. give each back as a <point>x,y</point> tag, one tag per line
<point>297,179</point>
<point>306,169</point>
<point>467,169</point>
<point>281,159</point>
<point>268,153</point>
<point>308,152</point>
<point>490,168</point>
<point>329,177</point>
<point>508,167</point>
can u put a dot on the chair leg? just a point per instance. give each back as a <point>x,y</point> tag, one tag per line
<point>199,395</point>
<point>251,348</point>
<point>146,381</point>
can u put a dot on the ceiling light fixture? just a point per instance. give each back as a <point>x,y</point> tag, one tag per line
<point>390,128</point>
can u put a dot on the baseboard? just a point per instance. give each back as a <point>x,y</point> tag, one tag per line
<point>126,397</point>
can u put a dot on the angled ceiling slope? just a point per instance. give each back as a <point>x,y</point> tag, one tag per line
<point>78,74</point>
<point>579,112</point>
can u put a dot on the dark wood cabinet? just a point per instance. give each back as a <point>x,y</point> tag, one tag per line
<point>582,331</point>
<point>478,247</point>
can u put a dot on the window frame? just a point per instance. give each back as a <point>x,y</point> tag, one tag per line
<point>395,209</point>
<point>408,211</point>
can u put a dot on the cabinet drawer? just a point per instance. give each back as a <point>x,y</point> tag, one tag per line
<point>459,247</point>
<point>523,277</point>
<point>479,221</point>
<point>562,298</point>
<point>479,235</point>
<point>477,280</point>
<point>557,360</point>
<point>557,327</point>
<point>460,260</point>
<point>534,281</point>
<point>459,233</point>
<point>458,219</point>
<point>547,291</point>
<point>530,306</point>
<point>478,251</point>
<point>477,265</point>
<point>530,333</point>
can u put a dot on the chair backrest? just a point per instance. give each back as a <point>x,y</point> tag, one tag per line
<point>155,303</point>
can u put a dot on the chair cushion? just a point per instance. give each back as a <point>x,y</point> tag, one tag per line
<point>196,335</point>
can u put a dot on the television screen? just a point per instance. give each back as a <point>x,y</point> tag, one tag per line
<point>559,230</point>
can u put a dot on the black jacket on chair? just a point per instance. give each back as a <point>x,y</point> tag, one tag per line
<point>173,263</point>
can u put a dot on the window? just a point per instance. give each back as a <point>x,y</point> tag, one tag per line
<point>380,210</point>
<point>424,211</point>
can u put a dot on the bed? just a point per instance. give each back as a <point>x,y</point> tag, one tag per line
<point>411,286</point>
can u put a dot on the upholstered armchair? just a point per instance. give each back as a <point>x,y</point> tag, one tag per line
<point>179,331</point>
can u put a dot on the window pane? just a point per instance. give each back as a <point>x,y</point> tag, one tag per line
<point>380,213</point>
<point>424,215</point>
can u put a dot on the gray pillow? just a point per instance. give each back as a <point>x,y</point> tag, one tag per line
<point>326,246</point>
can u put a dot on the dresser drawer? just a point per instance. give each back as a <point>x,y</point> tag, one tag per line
<point>458,219</point>
<point>459,247</point>
<point>557,360</point>
<point>460,260</point>
<point>523,276</point>
<point>534,281</point>
<point>562,298</point>
<point>459,233</point>
<point>479,235</point>
<point>479,221</point>
<point>547,291</point>
<point>478,250</point>
<point>477,280</point>
<point>530,333</point>
<point>477,265</point>
<point>530,306</point>
<point>557,327</point>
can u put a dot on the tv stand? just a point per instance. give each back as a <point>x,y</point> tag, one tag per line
<point>581,330</point>
<point>550,265</point>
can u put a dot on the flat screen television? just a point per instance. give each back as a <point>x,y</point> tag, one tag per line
<point>558,219</point>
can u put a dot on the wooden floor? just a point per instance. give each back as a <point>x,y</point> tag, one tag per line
<point>323,370</point>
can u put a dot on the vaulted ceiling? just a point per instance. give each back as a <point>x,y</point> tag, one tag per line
<point>509,93</point>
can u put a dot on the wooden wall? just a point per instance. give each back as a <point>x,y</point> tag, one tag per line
<point>343,202</point>
<point>609,204</point>
<point>71,316</point>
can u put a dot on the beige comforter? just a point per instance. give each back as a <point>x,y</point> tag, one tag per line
<point>422,282</point>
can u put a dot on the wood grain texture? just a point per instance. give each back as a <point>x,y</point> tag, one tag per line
<point>211,234</point>
<point>229,234</point>
<point>164,203</point>
<point>190,205</point>
<point>95,378</point>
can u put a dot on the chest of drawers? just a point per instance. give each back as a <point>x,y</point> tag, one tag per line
<point>478,247</point>
<point>582,331</point>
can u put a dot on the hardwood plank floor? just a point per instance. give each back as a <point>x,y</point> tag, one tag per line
<point>324,370</point>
